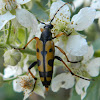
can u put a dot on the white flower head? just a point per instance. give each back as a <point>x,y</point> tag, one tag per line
<point>87,68</point>
<point>8,5</point>
<point>96,5</point>
<point>78,3</point>
<point>12,57</point>
<point>79,22</point>
<point>76,45</point>
<point>5,18</point>
<point>12,71</point>
<point>62,81</point>
<point>81,87</point>
<point>24,17</point>
<point>26,83</point>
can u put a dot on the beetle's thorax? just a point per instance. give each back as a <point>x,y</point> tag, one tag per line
<point>46,34</point>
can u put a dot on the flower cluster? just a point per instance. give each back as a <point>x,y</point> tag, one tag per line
<point>19,25</point>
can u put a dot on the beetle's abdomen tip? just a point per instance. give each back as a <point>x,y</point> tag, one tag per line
<point>46,88</point>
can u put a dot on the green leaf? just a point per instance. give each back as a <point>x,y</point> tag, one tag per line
<point>41,8</point>
<point>96,44</point>
<point>97,53</point>
<point>74,95</point>
<point>21,36</point>
<point>93,92</point>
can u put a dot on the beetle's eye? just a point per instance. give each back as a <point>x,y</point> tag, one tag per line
<point>44,26</point>
<point>51,26</point>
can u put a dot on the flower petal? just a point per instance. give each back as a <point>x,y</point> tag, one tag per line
<point>26,19</point>
<point>81,87</point>
<point>39,89</point>
<point>63,14</point>
<point>17,86</point>
<point>12,71</point>
<point>95,4</point>
<point>76,45</point>
<point>83,19</point>
<point>22,1</point>
<point>93,67</point>
<point>97,14</point>
<point>77,3</point>
<point>88,55</point>
<point>63,80</point>
<point>5,18</point>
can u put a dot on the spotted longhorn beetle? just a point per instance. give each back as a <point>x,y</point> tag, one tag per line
<point>45,52</point>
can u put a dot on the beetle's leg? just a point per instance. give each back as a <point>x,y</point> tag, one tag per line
<point>66,55</point>
<point>41,29</point>
<point>60,59</point>
<point>58,35</point>
<point>36,38</point>
<point>31,66</point>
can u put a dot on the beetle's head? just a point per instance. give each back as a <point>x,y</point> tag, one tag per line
<point>49,26</point>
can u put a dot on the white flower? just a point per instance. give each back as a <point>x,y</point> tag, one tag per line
<point>4,19</point>
<point>92,67</point>
<point>87,68</point>
<point>8,5</point>
<point>81,87</point>
<point>62,81</point>
<point>78,3</point>
<point>12,71</point>
<point>79,22</point>
<point>96,5</point>
<point>76,45</point>
<point>24,17</point>
<point>26,83</point>
<point>12,57</point>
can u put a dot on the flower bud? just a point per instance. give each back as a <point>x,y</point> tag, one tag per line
<point>12,57</point>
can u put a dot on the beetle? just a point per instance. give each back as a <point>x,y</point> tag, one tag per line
<point>45,52</point>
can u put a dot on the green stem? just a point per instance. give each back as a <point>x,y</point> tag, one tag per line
<point>11,79</point>
<point>51,2</point>
<point>5,29</point>
<point>9,31</point>
<point>25,7</point>
<point>28,51</point>
<point>26,35</point>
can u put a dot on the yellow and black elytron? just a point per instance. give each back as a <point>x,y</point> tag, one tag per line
<point>45,52</point>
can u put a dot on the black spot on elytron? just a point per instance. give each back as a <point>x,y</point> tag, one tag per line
<point>50,50</point>
<point>47,74</point>
<point>46,83</point>
<point>43,53</point>
<point>38,62</point>
<point>37,50</point>
<point>50,62</point>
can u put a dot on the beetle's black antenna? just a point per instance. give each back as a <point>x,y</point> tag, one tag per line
<point>40,21</point>
<point>57,12</point>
